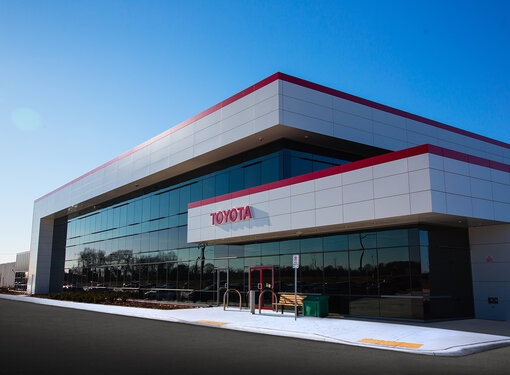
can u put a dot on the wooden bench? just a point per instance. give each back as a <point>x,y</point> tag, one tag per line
<point>288,300</point>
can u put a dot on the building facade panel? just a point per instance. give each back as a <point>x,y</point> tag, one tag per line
<point>490,259</point>
<point>369,199</point>
<point>310,170</point>
<point>417,132</point>
<point>7,275</point>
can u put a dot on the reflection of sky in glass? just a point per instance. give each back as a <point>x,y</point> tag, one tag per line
<point>396,254</point>
<point>424,255</point>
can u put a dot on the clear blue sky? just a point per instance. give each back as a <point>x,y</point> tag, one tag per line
<point>83,81</point>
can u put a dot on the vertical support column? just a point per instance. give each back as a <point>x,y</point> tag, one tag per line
<point>58,255</point>
<point>47,255</point>
<point>490,267</point>
<point>40,256</point>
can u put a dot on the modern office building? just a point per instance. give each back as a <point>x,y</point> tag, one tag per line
<point>393,215</point>
<point>14,274</point>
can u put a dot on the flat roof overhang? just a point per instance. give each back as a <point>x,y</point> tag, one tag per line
<point>232,149</point>
<point>275,133</point>
<point>419,185</point>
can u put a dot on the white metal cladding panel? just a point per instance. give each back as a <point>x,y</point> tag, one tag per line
<point>295,106</point>
<point>490,265</point>
<point>252,113</point>
<point>230,123</point>
<point>300,107</point>
<point>398,188</point>
<point>277,103</point>
<point>323,201</point>
<point>465,189</point>
<point>22,261</point>
<point>312,110</point>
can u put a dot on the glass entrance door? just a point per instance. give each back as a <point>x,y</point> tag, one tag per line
<point>262,278</point>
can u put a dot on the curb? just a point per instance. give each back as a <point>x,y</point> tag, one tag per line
<point>453,351</point>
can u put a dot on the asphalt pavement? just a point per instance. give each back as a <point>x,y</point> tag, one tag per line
<point>39,339</point>
<point>384,335</point>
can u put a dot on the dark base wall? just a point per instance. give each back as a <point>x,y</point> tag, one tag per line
<point>58,254</point>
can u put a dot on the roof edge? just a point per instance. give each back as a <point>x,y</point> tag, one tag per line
<point>385,108</point>
<point>364,163</point>
<point>265,82</point>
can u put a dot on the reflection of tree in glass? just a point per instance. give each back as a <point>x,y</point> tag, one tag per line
<point>120,257</point>
<point>91,257</point>
<point>363,252</point>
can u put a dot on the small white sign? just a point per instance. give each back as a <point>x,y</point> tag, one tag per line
<point>295,261</point>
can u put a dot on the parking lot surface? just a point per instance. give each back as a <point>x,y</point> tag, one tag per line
<point>47,339</point>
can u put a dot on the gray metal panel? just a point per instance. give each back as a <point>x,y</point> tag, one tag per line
<point>22,260</point>
<point>7,275</point>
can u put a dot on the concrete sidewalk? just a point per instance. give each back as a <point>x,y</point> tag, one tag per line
<point>416,339</point>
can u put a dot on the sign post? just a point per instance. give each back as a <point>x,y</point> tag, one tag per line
<point>295,265</point>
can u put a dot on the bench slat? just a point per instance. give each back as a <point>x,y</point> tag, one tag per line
<point>288,300</point>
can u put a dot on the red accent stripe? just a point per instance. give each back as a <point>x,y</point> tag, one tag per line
<point>191,120</point>
<point>294,80</point>
<point>385,108</point>
<point>392,156</point>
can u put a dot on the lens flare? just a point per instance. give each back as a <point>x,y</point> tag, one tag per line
<point>26,119</point>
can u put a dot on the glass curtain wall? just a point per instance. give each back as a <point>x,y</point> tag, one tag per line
<point>141,245</point>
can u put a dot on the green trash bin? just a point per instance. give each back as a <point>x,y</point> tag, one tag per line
<point>316,306</point>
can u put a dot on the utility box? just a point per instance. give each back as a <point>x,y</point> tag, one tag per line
<point>316,306</point>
